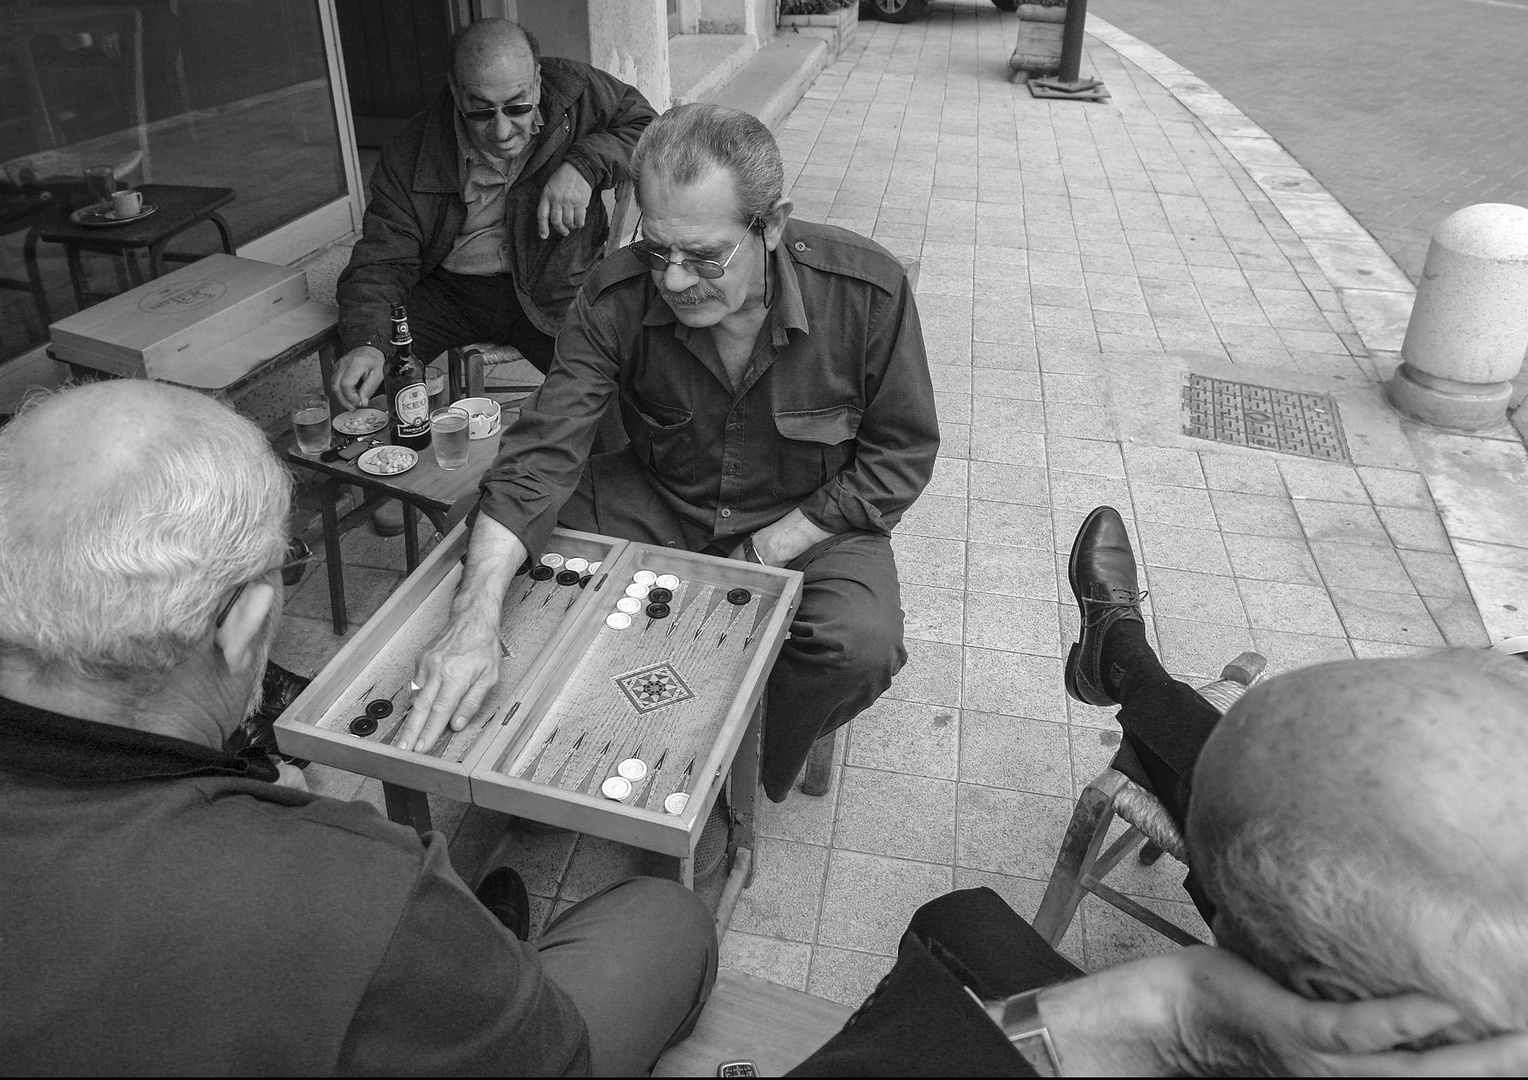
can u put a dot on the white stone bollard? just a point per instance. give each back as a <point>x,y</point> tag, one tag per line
<point>1468,331</point>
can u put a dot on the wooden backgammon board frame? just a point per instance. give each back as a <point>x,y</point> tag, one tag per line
<point>313,726</point>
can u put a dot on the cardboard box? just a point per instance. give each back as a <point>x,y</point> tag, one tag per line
<point>170,327</point>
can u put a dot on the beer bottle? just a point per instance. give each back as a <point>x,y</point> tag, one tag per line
<point>407,399</point>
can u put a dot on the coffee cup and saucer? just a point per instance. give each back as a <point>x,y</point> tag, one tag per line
<point>121,208</point>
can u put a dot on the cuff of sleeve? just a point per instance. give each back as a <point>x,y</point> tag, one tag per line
<point>837,510</point>
<point>533,531</point>
<point>580,162</point>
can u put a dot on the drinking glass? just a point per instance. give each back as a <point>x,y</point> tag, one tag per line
<point>449,437</point>
<point>310,420</point>
<point>100,181</point>
<point>436,386</point>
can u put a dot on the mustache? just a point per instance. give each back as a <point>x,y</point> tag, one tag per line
<point>691,297</point>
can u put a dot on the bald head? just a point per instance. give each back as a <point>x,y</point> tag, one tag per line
<point>490,46</point>
<point>1366,818</point>
<point>127,510</point>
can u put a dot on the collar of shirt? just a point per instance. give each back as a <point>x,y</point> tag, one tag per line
<point>786,311</point>
<point>474,161</point>
<point>43,743</point>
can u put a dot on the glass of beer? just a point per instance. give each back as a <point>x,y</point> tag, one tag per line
<point>310,420</point>
<point>436,385</point>
<point>449,437</point>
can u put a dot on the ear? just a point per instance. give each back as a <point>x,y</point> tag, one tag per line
<point>774,223</point>
<point>242,635</point>
<point>1316,982</point>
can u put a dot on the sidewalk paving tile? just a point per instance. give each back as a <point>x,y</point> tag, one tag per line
<point>868,898</point>
<point>845,975</point>
<point>896,814</point>
<point>905,736</point>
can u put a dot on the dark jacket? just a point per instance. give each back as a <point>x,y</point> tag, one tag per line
<point>164,909</point>
<point>415,210</point>
<point>836,414</point>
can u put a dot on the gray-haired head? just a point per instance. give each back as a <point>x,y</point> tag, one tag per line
<point>1359,826</point>
<point>129,511</point>
<point>689,141</point>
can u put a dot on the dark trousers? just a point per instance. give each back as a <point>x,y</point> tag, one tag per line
<point>846,640</point>
<point>450,310</point>
<point>920,1021</point>
<point>638,958</point>
<point>1166,723</point>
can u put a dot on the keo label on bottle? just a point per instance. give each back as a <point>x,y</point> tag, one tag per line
<point>412,406</point>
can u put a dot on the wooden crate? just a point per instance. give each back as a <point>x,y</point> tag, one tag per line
<point>168,327</point>
<point>378,663</point>
<point>680,689</point>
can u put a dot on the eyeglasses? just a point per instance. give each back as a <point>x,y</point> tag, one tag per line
<point>710,269</point>
<point>297,559</point>
<point>486,116</point>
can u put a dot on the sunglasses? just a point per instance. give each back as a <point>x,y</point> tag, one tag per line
<point>486,116</point>
<point>656,259</point>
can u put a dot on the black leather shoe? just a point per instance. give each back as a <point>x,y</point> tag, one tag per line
<point>502,891</point>
<point>1102,573</point>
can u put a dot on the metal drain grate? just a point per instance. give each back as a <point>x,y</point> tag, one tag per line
<point>1246,415</point>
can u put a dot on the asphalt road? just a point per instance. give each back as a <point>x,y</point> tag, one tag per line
<point>1405,110</point>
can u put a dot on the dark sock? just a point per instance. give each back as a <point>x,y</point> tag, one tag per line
<point>1126,653</point>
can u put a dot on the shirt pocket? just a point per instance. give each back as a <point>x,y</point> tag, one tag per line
<point>662,436</point>
<point>815,445</point>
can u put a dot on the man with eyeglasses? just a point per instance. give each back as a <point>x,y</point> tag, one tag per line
<point>771,376</point>
<point>166,908</point>
<point>484,215</point>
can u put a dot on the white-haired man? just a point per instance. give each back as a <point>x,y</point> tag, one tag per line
<point>1358,831</point>
<point>772,379</point>
<point>165,908</point>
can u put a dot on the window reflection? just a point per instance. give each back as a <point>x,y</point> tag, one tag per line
<point>213,93</point>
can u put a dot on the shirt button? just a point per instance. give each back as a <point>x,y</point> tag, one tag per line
<point>732,468</point>
<point>726,513</point>
<point>800,245</point>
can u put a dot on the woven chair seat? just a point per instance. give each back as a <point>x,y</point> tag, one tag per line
<point>1082,864</point>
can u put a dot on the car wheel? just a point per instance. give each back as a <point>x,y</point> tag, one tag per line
<point>899,11</point>
<point>1006,5</point>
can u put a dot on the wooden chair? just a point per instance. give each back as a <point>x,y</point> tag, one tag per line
<point>1080,868</point>
<point>749,1019</point>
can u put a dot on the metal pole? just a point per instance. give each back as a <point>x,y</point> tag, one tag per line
<point>1071,40</point>
<point>1068,83</point>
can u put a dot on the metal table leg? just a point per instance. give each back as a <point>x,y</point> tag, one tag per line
<point>410,535</point>
<point>407,807</point>
<point>328,506</point>
<point>34,276</point>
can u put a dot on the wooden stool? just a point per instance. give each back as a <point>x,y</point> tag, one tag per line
<point>1080,869</point>
<point>748,1019</point>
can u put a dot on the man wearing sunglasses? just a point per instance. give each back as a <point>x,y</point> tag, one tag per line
<point>772,379</point>
<point>484,215</point>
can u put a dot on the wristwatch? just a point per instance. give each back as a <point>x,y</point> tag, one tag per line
<point>1019,1017</point>
<point>750,552</point>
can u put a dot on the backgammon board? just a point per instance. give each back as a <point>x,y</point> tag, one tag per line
<point>629,676</point>
<point>350,714</point>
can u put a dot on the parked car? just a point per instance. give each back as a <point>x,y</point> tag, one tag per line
<point>901,11</point>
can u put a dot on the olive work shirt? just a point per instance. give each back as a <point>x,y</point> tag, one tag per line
<point>166,910</point>
<point>834,413</point>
